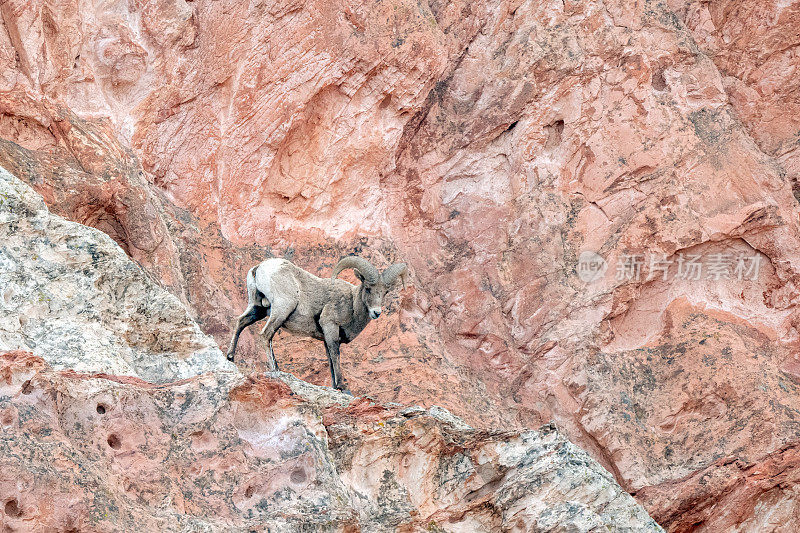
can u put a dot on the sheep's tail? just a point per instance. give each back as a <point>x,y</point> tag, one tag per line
<point>253,296</point>
<point>251,274</point>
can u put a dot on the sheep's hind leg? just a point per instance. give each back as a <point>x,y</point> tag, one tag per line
<point>276,320</point>
<point>252,314</point>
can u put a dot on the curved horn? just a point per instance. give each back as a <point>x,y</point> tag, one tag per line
<point>364,267</point>
<point>390,274</point>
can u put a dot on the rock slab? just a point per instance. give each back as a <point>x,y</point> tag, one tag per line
<point>221,452</point>
<point>126,417</point>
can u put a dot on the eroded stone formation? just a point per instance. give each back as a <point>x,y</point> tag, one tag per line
<point>487,145</point>
<point>219,451</point>
<point>197,446</point>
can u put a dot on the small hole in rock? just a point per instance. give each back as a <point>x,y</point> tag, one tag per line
<point>658,81</point>
<point>12,508</point>
<point>554,132</point>
<point>27,387</point>
<point>114,441</point>
<point>512,125</point>
<point>248,493</point>
<point>298,475</point>
<point>101,409</point>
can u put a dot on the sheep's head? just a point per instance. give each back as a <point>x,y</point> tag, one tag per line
<point>375,284</point>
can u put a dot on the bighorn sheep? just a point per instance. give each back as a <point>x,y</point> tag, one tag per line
<point>331,310</point>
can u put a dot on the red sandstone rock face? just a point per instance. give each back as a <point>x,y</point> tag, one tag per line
<point>755,47</point>
<point>487,146</point>
<point>148,425</point>
<point>218,452</point>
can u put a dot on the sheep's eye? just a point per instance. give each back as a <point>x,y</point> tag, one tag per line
<point>368,291</point>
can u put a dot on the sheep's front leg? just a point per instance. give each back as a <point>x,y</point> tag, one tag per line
<point>331,332</point>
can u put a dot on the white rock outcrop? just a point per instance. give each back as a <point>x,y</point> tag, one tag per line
<point>69,294</point>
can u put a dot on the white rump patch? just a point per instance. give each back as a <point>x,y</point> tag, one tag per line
<point>264,274</point>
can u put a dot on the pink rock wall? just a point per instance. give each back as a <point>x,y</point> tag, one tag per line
<point>487,145</point>
<point>221,452</point>
<point>755,47</point>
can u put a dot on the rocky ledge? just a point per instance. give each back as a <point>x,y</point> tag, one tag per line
<point>117,413</point>
<point>221,451</point>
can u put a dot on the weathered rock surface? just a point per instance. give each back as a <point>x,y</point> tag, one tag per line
<point>755,47</point>
<point>68,291</point>
<point>129,418</point>
<point>487,145</point>
<point>220,452</point>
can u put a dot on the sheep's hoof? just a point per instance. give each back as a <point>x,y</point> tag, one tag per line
<point>230,357</point>
<point>346,391</point>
